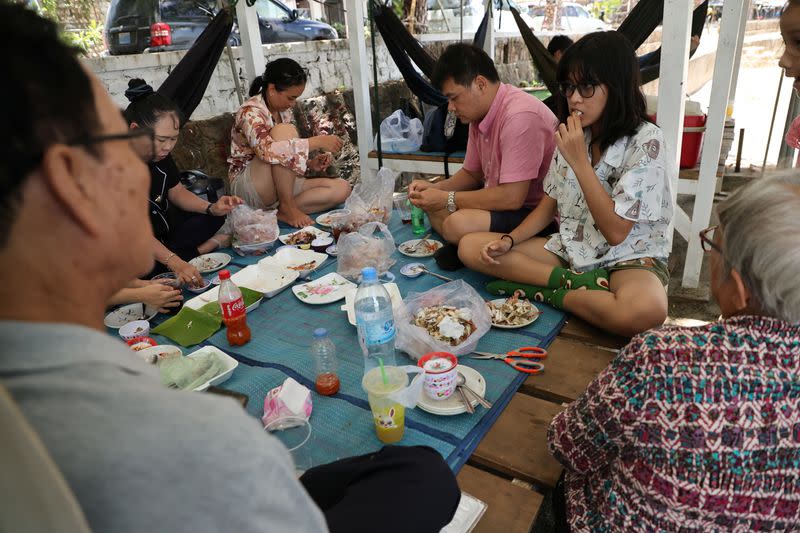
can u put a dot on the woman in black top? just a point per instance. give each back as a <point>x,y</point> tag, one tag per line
<point>184,225</point>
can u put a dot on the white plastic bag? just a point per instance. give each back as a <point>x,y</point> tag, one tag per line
<point>400,134</point>
<point>253,226</point>
<point>371,199</point>
<point>417,341</point>
<point>371,246</point>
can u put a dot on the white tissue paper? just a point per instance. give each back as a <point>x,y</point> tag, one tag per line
<point>291,399</point>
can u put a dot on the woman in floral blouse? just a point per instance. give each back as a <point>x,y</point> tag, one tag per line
<point>268,158</point>
<point>697,429</point>
<point>609,183</point>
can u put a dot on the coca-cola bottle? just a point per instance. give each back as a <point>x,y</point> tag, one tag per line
<point>233,310</point>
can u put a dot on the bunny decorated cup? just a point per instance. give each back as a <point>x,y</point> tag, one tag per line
<point>440,374</point>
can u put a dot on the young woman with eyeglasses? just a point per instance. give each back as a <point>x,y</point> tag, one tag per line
<point>184,225</point>
<point>609,182</point>
<point>269,159</point>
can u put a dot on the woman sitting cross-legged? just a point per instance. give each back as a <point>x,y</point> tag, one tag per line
<point>697,429</point>
<point>269,160</point>
<point>609,182</point>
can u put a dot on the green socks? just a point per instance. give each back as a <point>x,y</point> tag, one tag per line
<point>569,279</point>
<point>554,297</point>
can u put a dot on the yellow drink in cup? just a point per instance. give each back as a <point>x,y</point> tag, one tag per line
<point>388,415</point>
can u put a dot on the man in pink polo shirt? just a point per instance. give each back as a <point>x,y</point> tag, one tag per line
<point>509,150</point>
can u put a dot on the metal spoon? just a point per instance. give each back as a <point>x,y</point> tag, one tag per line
<point>461,383</point>
<point>434,274</point>
<point>465,400</point>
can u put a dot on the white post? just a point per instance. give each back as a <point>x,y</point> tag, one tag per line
<point>488,45</point>
<point>360,73</point>
<point>725,64</point>
<point>252,48</point>
<point>739,45</point>
<point>672,83</point>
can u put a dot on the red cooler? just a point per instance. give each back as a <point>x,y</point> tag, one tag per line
<point>694,126</point>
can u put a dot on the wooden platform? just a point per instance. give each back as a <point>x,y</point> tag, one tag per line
<point>515,448</point>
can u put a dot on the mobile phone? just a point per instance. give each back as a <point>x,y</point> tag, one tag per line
<point>238,396</point>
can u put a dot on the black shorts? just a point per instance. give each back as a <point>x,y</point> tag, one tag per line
<point>505,221</point>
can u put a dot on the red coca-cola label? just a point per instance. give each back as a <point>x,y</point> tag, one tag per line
<point>233,309</point>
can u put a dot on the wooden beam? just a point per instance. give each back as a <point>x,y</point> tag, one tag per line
<point>579,329</point>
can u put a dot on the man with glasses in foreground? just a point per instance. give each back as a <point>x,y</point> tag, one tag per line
<point>138,456</point>
<point>509,149</point>
<point>698,429</point>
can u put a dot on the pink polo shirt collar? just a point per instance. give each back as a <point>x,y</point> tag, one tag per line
<point>485,125</point>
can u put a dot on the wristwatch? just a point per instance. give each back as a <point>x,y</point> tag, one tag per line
<point>208,209</point>
<point>451,202</point>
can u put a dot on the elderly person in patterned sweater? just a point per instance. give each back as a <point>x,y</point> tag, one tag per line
<point>698,429</point>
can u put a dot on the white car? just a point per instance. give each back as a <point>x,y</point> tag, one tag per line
<point>440,11</point>
<point>574,20</point>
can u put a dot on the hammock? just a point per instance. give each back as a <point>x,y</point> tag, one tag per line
<point>188,81</point>
<point>650,64</point>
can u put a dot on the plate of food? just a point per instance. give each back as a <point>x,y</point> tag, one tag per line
<point>324,219</point>
<point>210,262</point>
<point>514,312</point>
<point>445,323</point>
<point>303,237</point>
<point>304,262</point>
<point>453,405</point>
<point>419,247</point>
<point>327,289</point>
<point>128,313</point>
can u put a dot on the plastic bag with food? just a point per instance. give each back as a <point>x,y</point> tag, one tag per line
<point>371,199</point>
<point>371,246</point>
<point>253,227</point>
<point>449,318</point>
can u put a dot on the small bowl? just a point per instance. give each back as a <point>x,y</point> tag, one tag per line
<point>441,370</point>
<point>137,328</point>
<point>141,343</point>
<point>154,353</point>
<point>333,251</point>
<point>259,248</point>
<point>202,288</point>
<point>412,270</point>
<point>171,279</point>
<point>321,244</point>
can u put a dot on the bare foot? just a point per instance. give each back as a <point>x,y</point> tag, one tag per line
<point>295,217</point>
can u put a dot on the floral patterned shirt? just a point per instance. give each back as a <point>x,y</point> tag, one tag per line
<point>250,138</point>
<point>635,173</point>
<point>689,429</point>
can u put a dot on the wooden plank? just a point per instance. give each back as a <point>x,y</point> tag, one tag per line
<point>569,367</point>
<point>517,443</point>
<point>579,329</point>
<point>511,509</point>
<point>418,157</point>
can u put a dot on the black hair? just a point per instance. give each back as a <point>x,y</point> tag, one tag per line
<point>282,73</point>
<point>463,63</point>
<point>147,106</point>
<point>559,43</point>
<point>48,99</point>
<point>608,58</point>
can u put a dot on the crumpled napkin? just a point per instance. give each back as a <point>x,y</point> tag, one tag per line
<point>291,399</point>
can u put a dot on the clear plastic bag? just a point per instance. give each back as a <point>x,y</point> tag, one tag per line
<point>253,226</point>
<point>371,199</point>
<point>400,134</point>
<point>371,246</point>
<point>468,306</point>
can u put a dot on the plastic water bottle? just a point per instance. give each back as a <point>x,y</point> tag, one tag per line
<point>417,221</point>
<point>324,353</point>
<point>234,313</point>
<point>375,321</point>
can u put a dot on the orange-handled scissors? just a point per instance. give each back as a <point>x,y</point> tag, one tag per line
<point>519,359</point>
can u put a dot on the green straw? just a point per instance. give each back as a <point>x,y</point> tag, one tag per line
<point>383,371</point>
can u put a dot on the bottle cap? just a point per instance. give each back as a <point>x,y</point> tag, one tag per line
<point>369,274</point>
<point>224,274</point>
<point>320,332</point>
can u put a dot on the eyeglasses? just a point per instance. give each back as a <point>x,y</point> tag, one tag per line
<point>586,90</point>
<point>707,240</point>
<point>142,141</point>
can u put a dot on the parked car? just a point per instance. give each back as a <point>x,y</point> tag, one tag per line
<point>137,26</point>
<point>473,14</point>
<point>574,19</point>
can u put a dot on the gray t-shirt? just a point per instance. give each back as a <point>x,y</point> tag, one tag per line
<point>141,457</point>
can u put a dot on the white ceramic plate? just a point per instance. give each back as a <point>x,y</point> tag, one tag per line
<point>327,289</point>
<point>426,250</point>
<point>350,296</point>
<point>210,262</point>
<point>230,366</point>
<point>128,313</point>
<point>318,233</point>
<point>452,405</point>
<point>499,301</point>
<point>324,220</point>
<point>290,258</point>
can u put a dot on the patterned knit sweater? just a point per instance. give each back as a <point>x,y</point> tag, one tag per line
<point>690,430</point>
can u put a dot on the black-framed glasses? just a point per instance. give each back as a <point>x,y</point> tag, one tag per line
<point>707,240</point>
<point>586,90</point>
<point>142,141</point>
